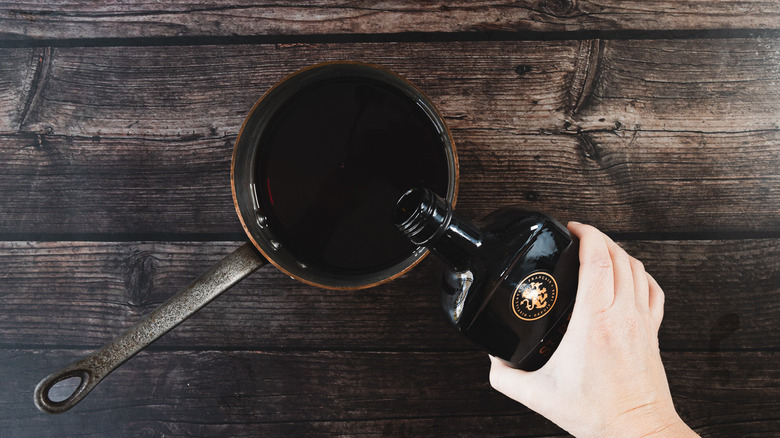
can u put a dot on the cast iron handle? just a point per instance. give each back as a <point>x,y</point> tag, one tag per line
<point>96,366</point>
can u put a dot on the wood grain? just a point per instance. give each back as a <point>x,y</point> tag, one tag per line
<point>626,181</point>
<point>670,85</point>
<point>720,296</point>
<point>617,133</point>
<point>251,393</point>
<point>149,91</point>
<point>621,181</point>
<point>656,121</point>
<point>136,19</point>
<point>522,86</point>
<point>108,185</point>
<point>17,75</point>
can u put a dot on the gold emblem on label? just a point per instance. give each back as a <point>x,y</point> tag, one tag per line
<point>534,296</point>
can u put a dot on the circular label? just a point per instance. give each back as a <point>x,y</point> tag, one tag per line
<point>534,296</point>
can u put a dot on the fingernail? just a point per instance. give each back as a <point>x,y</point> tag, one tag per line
<point>574,223</point>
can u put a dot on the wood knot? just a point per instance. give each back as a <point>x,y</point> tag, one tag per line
<point>522,69</point>
<point>560,8</point>
<point>590,149</point>
<point>139,278</point>
<point>39,140</point>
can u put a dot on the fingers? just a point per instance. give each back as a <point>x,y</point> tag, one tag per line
<point>641,285</point>
<point>596,287</point>
<point>623,274</point>
<point>631,285</point>
<point>655,301</point>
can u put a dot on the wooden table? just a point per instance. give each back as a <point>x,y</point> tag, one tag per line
<point>658,122</point>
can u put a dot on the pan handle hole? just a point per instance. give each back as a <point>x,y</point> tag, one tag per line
<point>63,389</point>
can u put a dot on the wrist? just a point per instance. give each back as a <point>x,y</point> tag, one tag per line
<point>649,422</point>
<point>674,429</point>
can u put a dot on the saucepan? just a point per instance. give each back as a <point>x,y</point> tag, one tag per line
<point>316,169</point>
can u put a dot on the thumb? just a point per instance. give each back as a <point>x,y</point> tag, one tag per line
<point>519,385</point>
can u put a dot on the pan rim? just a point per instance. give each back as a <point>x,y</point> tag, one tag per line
<point>268,250</point>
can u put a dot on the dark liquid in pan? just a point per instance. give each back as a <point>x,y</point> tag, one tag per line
<point>334,161</point>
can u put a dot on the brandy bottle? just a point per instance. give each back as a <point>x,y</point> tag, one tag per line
<point>509,284</point>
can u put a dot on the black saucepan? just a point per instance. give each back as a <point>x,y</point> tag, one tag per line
<point>319,161</point>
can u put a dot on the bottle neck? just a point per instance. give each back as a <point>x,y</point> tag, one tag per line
<point>428,220</point>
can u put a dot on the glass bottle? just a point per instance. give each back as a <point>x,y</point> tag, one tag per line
<point>509,284</point>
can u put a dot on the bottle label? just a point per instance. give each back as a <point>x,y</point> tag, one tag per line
<point>535,296</point>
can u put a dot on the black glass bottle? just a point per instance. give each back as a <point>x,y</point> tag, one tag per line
<point>510,283</point>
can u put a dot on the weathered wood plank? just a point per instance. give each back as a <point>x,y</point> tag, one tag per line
<point>108,286</point>
<point>625,181</point>
<point>523,86</point>
<point>720,295</point>
<point>17,74</point>
<point>149,91</point>
<point>622,181</point>
<point>717,393</point>
<point>711,86</point>
<point>91,19</point>
<point>251,393</point>
<point>272,392</point>
<point>108,185</point>
<point>709,287</point>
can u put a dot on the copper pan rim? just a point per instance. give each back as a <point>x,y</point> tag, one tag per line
<point>262,110</point>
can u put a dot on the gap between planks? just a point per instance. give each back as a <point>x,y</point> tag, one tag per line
<point>403,37</point>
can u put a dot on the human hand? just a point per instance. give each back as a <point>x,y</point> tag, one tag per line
<point>606,378</point>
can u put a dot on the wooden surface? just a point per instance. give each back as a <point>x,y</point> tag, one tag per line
<point>658,122</point>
